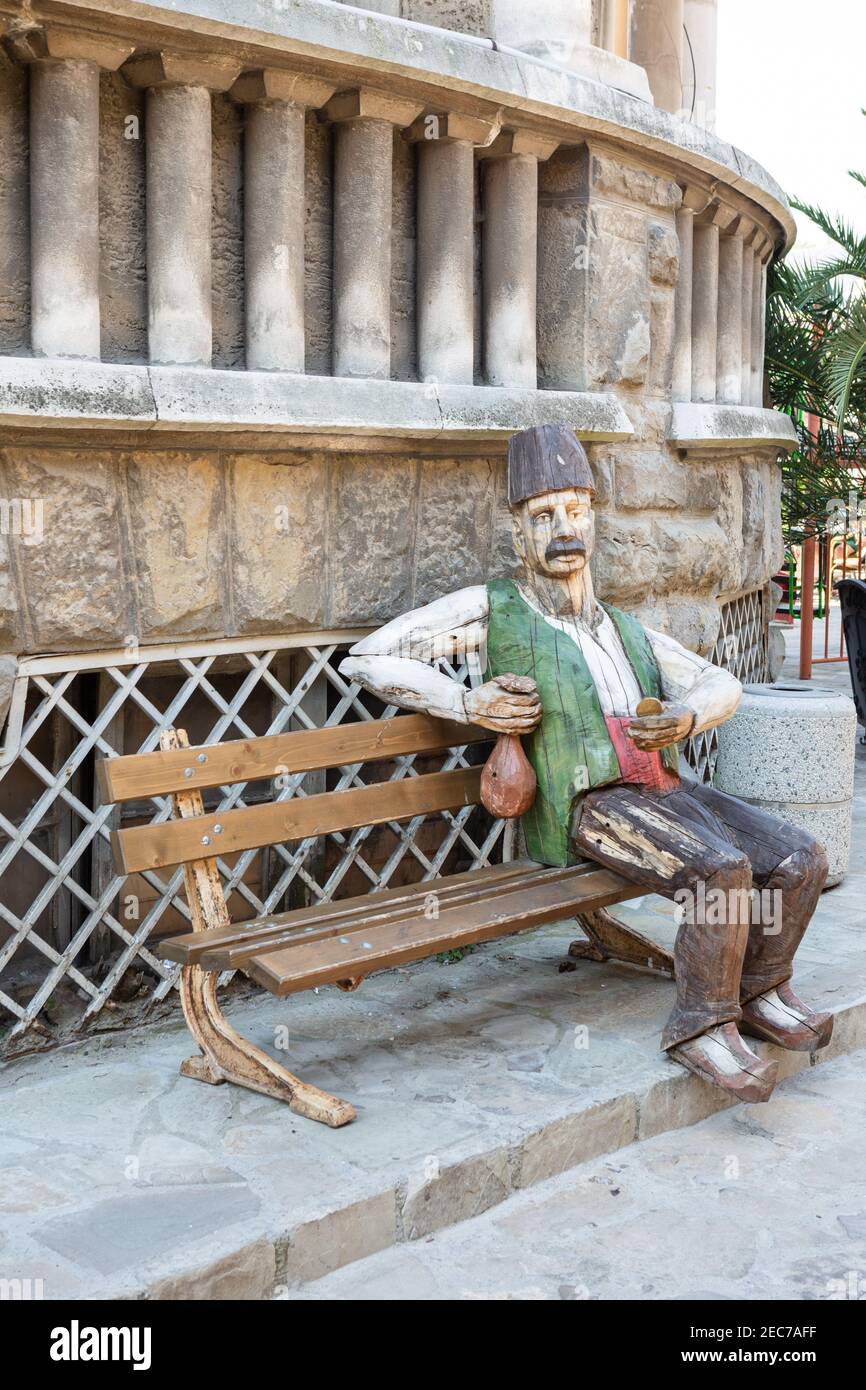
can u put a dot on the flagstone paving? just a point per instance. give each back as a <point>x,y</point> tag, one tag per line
<point>760,1202</point>
<point>473,1082</point>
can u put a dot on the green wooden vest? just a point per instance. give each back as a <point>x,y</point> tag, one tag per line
<point>571,750</point>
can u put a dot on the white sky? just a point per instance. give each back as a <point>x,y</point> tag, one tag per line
<point>791,85</point>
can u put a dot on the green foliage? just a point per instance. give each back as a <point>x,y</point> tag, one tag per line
<point>816,365</point>
<point>454,955</point>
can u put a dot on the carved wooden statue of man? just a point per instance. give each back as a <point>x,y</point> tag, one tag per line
<point>609,787</point>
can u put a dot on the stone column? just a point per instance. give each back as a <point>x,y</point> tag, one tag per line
<point>763,253</point>
<point>275,213</point>
<point>694,201</point>
<point>445,295</point>
<point>510,257</point>
<point>656,43</point>
<point>179,200</point>
<point>730,321</point>
<point>363,154</point>
<point>64,185</point>
<point>699,61</point>
<point>747,232</point>
<point>705,300</point>
<point>765,270</point>
<point>613,27</point>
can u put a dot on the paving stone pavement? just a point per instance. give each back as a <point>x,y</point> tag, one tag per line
<point>760,1202</point>
<point>473,1082</point>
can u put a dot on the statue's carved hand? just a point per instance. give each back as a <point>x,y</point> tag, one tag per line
<point>507,705</point>
<point>654,731</point>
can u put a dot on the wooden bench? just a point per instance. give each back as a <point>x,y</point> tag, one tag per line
<point>335,942</point>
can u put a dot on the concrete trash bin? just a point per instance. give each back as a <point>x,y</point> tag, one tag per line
<point>790,749</point>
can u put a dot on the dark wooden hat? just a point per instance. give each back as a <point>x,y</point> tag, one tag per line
<point>546,458</point>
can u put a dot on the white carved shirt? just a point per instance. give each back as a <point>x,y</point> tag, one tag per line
<point>396,662</point>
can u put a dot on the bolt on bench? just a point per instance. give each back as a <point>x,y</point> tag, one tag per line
<point>335,942</point>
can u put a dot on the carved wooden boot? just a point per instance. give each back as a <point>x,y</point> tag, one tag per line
<point>721,1057</point>
<point>780,1017</point>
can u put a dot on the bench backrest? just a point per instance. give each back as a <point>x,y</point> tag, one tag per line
<point>191,769</point>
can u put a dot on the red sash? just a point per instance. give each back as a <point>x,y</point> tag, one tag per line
<point>636,764</point>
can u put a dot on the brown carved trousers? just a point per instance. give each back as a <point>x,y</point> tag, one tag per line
<point>728,949</point>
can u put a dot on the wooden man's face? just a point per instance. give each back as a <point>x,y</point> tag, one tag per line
<point>554,533</point>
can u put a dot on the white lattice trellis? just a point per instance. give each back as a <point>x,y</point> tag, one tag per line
<point>43,693</point>
<point>741,647</point>
<point>48,934</point>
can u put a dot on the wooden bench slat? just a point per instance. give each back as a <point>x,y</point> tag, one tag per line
<point>228,947</point>
<point>238,958</point>
<point>245,760</point>
<point>181,841</point>
<point>561,893</point>
<point>291,933</point>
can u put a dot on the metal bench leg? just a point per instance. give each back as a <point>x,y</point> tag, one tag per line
<point>610,939</point>
<point>225,1055</point>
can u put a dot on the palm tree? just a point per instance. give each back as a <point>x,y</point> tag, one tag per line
<point>816,371</point>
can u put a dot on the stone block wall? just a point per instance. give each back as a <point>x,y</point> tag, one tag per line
<point>149,545</point>
<point>608,265</point>
<point>148,542</point>
<point>477,17</point>
<point>463,16</point>
<point>677,535</point>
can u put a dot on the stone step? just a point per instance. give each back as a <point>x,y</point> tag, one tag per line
<point>683,1216</point>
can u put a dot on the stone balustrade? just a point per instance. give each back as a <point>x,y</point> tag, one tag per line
<point>65,309</point>
<point>65,314</point>
<point>480,243</point>
<point>721,290</point>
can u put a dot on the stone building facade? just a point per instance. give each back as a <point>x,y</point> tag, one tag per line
<point>277,282</point>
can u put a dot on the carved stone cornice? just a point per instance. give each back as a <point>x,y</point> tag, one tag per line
<point>511,142</point>
<point>167,69</point>
<point>449,125</point>
<point>365,103</point>
<point>47,43</point>
<point>695,199</point>
<point>717,214</point>
<point>275,84</point>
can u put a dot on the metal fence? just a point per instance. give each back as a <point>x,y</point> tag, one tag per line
<point>77,940</point>
<point>818,566</point>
